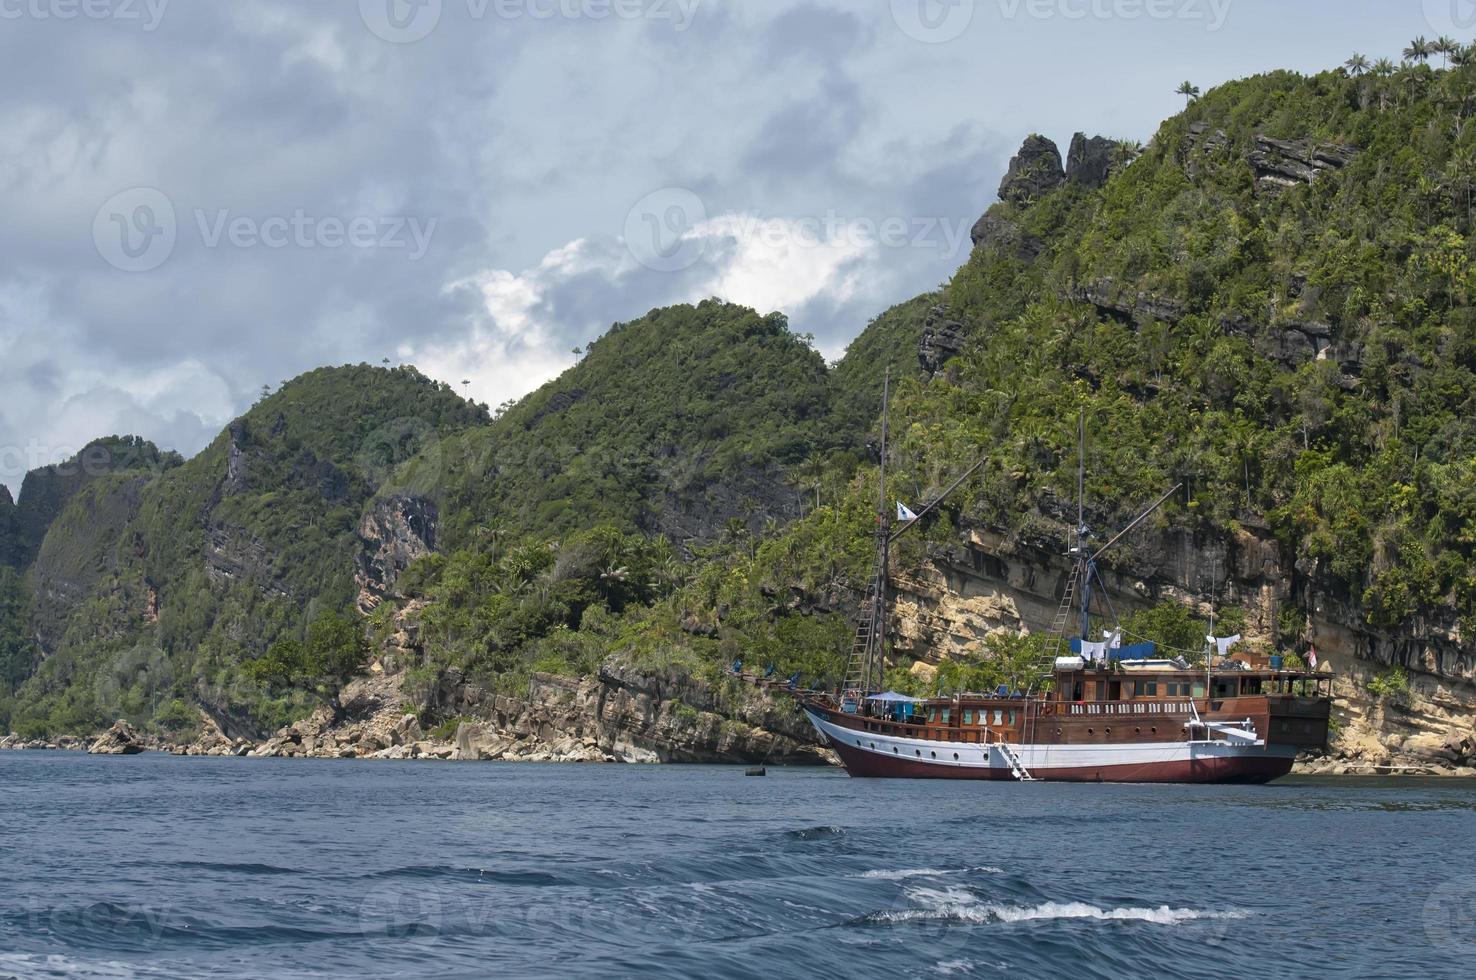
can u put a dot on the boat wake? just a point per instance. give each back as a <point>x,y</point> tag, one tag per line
<point>960,905</point>
<point>899,874</point>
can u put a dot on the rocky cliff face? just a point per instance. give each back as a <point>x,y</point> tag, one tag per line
<point>46,491</point>
<point>10,549</point>
<point>69,567</point>
<point>1032,172</point>
<point>623,714</point>
<point>1089,161</point>
<point>697,515</point>
<point>393,533</point>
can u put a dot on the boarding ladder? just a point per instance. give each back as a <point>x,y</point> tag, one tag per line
<point>1016,766</point>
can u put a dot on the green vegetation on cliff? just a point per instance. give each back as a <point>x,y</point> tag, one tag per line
<point>158,590</point>
<point>1272,306</point>
<point>669,425</point>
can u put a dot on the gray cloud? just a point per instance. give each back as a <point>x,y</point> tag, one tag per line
<point>525,142</point>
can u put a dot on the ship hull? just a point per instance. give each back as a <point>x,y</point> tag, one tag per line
<point>868,754</point>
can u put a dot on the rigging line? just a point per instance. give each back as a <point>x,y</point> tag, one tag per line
<point>1106,598</point>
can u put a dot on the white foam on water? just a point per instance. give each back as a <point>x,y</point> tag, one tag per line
<point>897,874</point>
<point>959,905</point>
<point>54,965</point>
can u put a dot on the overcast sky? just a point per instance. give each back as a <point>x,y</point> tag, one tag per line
<point>202,197</point>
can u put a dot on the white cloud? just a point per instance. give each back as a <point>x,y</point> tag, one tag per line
<point>782,263</point>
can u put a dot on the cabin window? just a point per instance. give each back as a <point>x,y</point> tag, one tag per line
<point>946,712</point>
<point>968,716</point>
<point>1147,689</point>
<point>1012,717</point>
<point>1198,689</point>
<point>998,717</point>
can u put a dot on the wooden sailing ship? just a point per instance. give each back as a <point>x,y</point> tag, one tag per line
<point>1095,712</point>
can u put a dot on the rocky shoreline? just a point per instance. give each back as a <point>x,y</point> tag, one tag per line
<point>624,714</point>
<point>386,736</point>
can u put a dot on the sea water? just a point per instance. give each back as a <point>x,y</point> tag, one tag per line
<point>163,866</point>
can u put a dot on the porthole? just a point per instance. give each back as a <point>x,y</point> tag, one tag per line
<point>933,754</point>
<point>1091,731</point>
<point>1137,731</point>
<point>894,750</point>
<point>1153,730</point>
<point>918,753</point>
<point>1058,731</point>
<point>1106,731</point>
<point>955,757</point>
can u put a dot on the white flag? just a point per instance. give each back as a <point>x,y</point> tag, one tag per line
<point>903,514</point>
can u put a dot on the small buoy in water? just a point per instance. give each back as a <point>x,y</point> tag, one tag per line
<point>755,771</point>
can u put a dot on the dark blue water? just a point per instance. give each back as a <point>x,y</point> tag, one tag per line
<point>157,866</point>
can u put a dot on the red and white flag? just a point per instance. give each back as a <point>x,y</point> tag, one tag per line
<point>1312,658</point>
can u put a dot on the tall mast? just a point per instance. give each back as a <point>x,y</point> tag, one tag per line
<point>1084,566</point>
<point>876,659</point>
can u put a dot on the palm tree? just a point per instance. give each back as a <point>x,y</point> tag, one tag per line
<point>1445,46</point>
<point>1419,50</point>
<point>1356,65</point>
<point>1382,69</point>
<point>1125,152</point>
<point>1189,91</point>
<point>1463,56</point>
